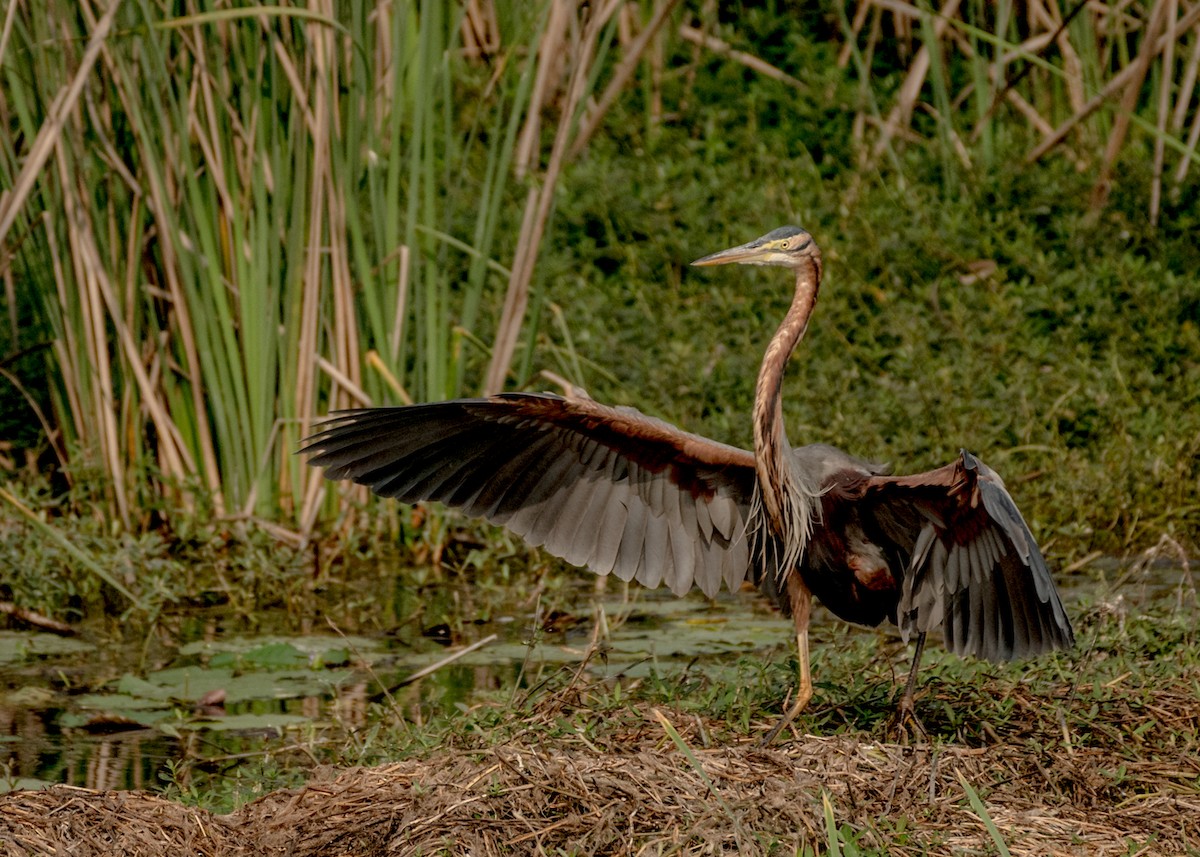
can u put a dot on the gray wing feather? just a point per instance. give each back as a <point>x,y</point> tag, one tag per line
<point>611,528</point>
<point>977,620</point>
<point>723,515</point>
<point>576,543</point>
<point>494,500</point>
<point>546,495</point>
<point>629,555</point>
<point>655,551</point>
<point>956,575</point>
<point>608,488</point>
<point>975,568</point>
<point>735,547</point>
<point>681,518</point>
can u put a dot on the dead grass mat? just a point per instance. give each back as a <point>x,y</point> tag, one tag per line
<point>649,798</point>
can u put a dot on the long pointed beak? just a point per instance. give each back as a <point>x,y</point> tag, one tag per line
<point>743,254</point>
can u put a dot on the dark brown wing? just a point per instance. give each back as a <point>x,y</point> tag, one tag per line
<point>975,569</point>
<point>607,488</point>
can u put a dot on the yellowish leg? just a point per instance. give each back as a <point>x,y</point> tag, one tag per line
<point>801,601</point>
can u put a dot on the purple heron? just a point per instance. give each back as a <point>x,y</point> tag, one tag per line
<point>619,492</point>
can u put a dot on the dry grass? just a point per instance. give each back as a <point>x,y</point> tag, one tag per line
<point>638,794</point>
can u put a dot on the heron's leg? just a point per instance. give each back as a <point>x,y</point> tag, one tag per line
<point>906,712</point>
<point>801,602</point>
<point>906,701</point>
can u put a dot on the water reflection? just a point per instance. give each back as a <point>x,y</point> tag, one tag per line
<point>35,748</point>
<point>88,712</point>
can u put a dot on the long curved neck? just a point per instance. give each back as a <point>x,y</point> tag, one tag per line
<point>772,453</point>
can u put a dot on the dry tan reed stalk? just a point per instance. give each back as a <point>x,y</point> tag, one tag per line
<point>446,661</point>
<point>1184,99</point>
<point>310,506</point>
<point>1029,112</point>
<point>207,136</point>
<point>1129,99</point>
<point>551,53</point>
<point>479,29</point>
<point>162,208</point>
<point>381,368</point>
<point>1072,72</point>
<point>1193,140</point>
<point>9,17</point>
<point>901,113</point>
<point>956,141</point>
<point>87,271</point>
<point>719,46</point>
<point>624,71</point>
<point>1049,26</point>
<point>345,331</point>
<point>1072,65</point>
<point>514,301</point>
<point>357,396</point>
<point>174,459</point>
<point>996,77</point>
<point>56,116</point>
<point>905,13</point>
<point>66,347</point>
<point>37,620</point>
<point>402,286</point>
<point>1115,83</point>
<point>657,64</point>
<point>540,200</point>
<point>860,17</point>
<point>319,231</point>
<point>327,253</point>
<point>1164,109</point>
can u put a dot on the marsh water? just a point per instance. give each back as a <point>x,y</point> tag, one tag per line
<point>207,690</point>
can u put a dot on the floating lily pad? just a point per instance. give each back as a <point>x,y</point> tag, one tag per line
<point>268,657</point>
<point>23,784</point>
<point>16,646</point>
<point>191,683</point>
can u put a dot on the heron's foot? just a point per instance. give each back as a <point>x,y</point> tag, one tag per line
<point>799,705</point>
<point>905,726</point>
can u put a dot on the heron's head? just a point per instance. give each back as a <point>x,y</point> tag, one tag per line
<point>786,246</point>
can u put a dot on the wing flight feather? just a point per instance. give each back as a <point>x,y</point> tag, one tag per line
<point>605,487</point>
<point>975,569</point>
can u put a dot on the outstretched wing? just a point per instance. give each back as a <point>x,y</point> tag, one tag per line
<point>607,488</point>
<point>975,569</point>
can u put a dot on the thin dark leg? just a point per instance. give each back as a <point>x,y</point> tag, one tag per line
<point>906,701</point>
<point>906,712</point>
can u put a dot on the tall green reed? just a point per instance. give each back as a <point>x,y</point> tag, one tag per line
<point>247,217</point>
